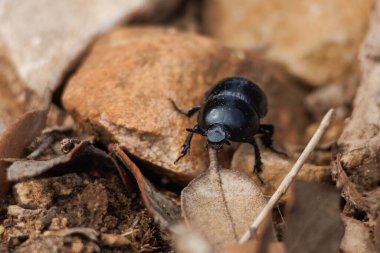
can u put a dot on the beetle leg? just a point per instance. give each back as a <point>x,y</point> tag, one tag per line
<point>189,112</point>
<point>266,131</point>
<point>257,167</point>
<point>186,145</point>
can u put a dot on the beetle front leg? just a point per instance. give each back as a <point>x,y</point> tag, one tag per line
<point>257,167</point>
<point>186,145</point>
<point>189,112</point>
<point>266,131</point>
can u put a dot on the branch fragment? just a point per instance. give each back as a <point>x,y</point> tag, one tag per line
<point>289,178</point>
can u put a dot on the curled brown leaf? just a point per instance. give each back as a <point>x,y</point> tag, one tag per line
<point>16,138</point>
<point>30,168</point>
<point>159,205</point>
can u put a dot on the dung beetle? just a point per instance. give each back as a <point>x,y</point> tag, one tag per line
<point>231,111</point>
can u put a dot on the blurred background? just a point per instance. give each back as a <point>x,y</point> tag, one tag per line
<point>107,69</point>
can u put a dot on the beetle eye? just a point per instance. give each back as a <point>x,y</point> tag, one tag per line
<point>216,134</point>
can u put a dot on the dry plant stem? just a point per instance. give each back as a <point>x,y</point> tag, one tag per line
<point>214,165</point>
<point>214,169</point>
<point>251,232</point>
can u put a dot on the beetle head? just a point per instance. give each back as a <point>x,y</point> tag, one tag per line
<point>217,135</point>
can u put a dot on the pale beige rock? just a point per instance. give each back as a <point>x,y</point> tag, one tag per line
<point>275,168</point>
<point>12,105</point>
<point>359,142</point>
<point>41,40</point>
<point>122,91</point>
<point>10,108</point>
<point>357,237</point>
<point>317,41</point>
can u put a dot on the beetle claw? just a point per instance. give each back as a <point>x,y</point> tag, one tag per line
<point>179,158</point>
<point>184,151</point>
<point>278,152</point>
<point>257,173</point>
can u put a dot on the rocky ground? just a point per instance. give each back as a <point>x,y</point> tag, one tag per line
<point>89,133</point>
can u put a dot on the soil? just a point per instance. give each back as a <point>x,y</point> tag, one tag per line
<point>85,201</point>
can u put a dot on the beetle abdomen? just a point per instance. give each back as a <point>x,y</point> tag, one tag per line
<point>241,89</point>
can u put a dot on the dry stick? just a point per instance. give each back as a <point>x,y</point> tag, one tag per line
<point>251,232</point>
<point>214,164</point>
<point>215,176</point>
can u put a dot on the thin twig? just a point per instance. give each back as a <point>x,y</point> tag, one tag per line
<point>214,164</point>
<point>251,232</point>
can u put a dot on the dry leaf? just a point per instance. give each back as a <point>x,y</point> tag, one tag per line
<point>89,233</point>
<point>266,244</point>
<point>359,149</point>
<point>16,138</point>
<point>159,205</point>
<point>221,205</point>
<point>313,219</point>
<point>252,246</point>
<point>359,142</point>
<point>80,150</point>
<point>188,240</point>
<point>349,192</point>
<point>30,168</point>
<point>262,244</point>
<point>376,233</point>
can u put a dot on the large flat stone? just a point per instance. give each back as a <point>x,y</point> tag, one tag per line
<point>122,91</point>
<point>41,40</point>
<point>317,41</point>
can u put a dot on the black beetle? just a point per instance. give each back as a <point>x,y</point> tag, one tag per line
<point>231,112</point>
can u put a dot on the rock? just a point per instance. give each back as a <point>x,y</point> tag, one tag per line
<point>10,106</point>
<point>330,137</point>
<point>359,143</point>
<point>40,40</point>
<point>42,192</point>
<point>114,240</point>
<point>357,237</point>
<point>338,95</point>
<point>19,212</point>
<point>275,168</point>
<point>317,41</point>
<point>123,87</point>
